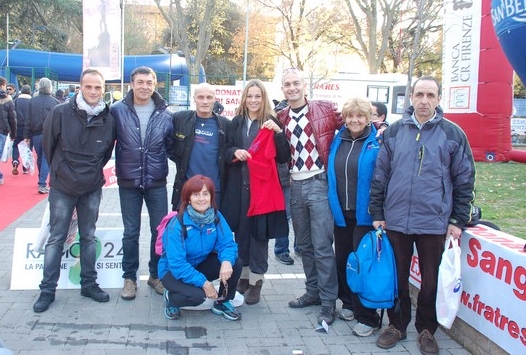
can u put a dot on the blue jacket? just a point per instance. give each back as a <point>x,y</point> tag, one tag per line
<point>424,178</point>
<point>366,163</point>
<point>137,165</point>
<point>183,255</point>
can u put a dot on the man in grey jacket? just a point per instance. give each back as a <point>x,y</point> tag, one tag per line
<point>422,192</point>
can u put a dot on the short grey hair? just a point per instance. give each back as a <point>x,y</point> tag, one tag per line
<point>45,87</point>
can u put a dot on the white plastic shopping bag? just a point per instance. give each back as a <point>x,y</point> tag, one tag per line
<point>43,235</point>
<point>28,161</point>
<point>8,147</point>
<point>449,286</point>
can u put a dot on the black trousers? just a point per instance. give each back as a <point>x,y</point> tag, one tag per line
<point>182,294</point>
<point>430,248</point>
<point>346,240</point>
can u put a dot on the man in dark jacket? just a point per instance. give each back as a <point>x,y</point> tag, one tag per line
<point>22,114</point>
<point>39,107</point>
<point>144,136</point>
<point>199,143</point>
<point>7,118</point>
<point>422,191</point>
<point>78,139</point>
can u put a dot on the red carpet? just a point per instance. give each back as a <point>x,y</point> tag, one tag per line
<point>17,195</point>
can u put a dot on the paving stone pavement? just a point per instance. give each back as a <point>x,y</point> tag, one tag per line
<point>77,325</point>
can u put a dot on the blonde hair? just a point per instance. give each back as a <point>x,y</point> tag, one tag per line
<point>358,106</point>
<point>265,111</point>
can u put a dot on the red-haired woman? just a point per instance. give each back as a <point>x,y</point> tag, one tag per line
<point>195,257</point>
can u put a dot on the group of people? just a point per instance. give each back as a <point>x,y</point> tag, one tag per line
<point>414,178</point>
<point>26,112</point>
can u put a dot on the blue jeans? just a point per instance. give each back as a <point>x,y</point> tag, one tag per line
<point>313,228</point>
<point>43,168</point>
<point>61,209</point>
<point>3,138</point>
<point>281,245</point>
<point>131,206</point>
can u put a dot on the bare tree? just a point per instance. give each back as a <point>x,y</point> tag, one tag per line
<point>179,22</point>
<point>305,31</point>
<point>384,30</point>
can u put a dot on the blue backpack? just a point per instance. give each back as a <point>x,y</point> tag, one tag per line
<point>371,271</point>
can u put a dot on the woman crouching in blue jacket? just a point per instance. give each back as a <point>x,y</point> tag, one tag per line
<point>198,254</point>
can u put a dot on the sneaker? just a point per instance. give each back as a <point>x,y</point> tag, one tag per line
<point>43,190</point>
<point>305,301</point>
<point>390,337</point>
<point>156,284</point>
<point>226,310</point>
<point>25,170</point>
<point>362,330</point>
<point>43,302</point>
<point>285,259</point>
<point>129,290</point>
<point>170,312</point>
<point>346,315</point>
<point>327,314</point>
<point>95,293</point>
<point>426,343</point>
<point>15,168</point>
<point>1,179</point>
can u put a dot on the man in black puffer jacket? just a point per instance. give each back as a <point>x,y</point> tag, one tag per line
<point>144,136</point>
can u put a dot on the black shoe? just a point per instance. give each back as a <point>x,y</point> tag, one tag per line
<point>305,301</point>
<point>285,259</point>
<point>95,293</point>
<point>43,302</point>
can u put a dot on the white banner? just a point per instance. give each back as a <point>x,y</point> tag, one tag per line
<point>102,37</point>
<point>27,269</point>
<point>494,286</point>
<point>461,51</point>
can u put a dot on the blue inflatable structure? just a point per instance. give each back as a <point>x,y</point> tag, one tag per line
<point>68,66</point>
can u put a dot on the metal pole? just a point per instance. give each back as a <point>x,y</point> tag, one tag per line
<point>246,49</point>
<point>7,41</point>
<point>122,48</point>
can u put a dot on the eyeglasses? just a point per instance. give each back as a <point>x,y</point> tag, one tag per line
<point>224,293</point>
<point>374,114</point>
<point>9,89</point>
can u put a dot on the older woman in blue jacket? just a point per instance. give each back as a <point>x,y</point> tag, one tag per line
<point>203,251</point>
<point>352,158</point>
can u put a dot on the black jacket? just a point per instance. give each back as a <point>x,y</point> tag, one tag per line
<point>184,126</point>
<point>137,165</point>
<point>39,107</point>
<point>77,150</point>
<point>7,115</point>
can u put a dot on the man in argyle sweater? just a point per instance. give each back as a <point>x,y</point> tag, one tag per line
<point>310,127</point>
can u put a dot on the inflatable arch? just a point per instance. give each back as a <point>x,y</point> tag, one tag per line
<point>477,79</point>
<point>68,66</point>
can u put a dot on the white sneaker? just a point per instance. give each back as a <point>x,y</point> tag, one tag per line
<point>362,330</point>
<point>346,314</point>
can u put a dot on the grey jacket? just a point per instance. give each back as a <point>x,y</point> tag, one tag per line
<point>424,178</point>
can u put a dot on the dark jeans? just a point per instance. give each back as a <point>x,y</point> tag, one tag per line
<point>346,240</point>
<point>429,248</point>
<point>61,209</point>
<point>131,200</point>
<point>182,294</point>
<point>281,245</point>
<point>43,168</point>
<point>314,228</point>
